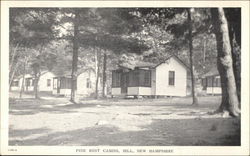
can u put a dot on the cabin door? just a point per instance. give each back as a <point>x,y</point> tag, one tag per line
<point>124,83</point>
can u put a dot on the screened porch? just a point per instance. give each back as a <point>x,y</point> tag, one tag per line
<point>131,82</point>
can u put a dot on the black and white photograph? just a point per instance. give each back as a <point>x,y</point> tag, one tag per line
<point>125,76</point>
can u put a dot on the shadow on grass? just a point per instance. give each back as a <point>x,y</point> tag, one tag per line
<point>30,106</point>
<point>26,132</point>
<point>171,132</point>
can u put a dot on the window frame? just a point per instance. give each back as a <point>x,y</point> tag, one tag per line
<point>171,80</point>
<point>48,82</point>
<point>88,83</point>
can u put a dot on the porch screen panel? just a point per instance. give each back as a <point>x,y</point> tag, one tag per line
<point>116,78</point>
<point>62,82</point>
<point>133,80</point>
<point>210,81</point>
<point>68,83</point>
<point>217,82</point>
<point>204,82</point>
<point>65,83</point>
<point>145,78</point>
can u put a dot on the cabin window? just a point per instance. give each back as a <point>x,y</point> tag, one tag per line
<point>116,78</point>
<point>88,83</point>
<point>171,78</point>
<point>48,82</point>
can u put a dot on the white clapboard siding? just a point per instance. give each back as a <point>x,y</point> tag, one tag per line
<point>116,91</point>
<point>162,77</point>
<point>82,83</point>
<point>43,85</point>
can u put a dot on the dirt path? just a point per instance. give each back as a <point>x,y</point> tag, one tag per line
<point>159,122</point>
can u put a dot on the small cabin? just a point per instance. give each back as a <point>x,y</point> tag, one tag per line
<point>44,84</point>
<point>15,85</point>
<point>45,81</point>
<point>85,83</point>
<point>168,78</point>
<point>211,82</point>
<point>28,81</point>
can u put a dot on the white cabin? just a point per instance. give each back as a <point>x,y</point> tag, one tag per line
<point>168,78</point>
<point>85,83</point>
<point>44,84</point>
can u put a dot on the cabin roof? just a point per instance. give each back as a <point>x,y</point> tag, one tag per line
<point>30,75</point>
<point>177,58</point>
<point>212,72</point>
<point>64,74</point>
<point>142,64</point>
<point>68,73</point>
<point>139,64</point>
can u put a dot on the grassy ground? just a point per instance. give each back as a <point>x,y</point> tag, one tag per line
<point>139,122</point>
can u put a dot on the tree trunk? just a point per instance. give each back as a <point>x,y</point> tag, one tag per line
<point>97,69</point>
<point>234,26</point>
<point>235,48</point>
<point>13,74</point>
<point>204,51</point>
<point>104,75</point>
<point>195,100</point>
<point>224,64</point>
<point>75,57</point>
<point>13,71</point>
<point>37,77</point>
<point>13,56</point>
<point>24,72</point>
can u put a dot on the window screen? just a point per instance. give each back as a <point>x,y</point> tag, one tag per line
<point>171,78</point>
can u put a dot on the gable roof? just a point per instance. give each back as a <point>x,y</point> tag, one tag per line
<point>177,58</point>
<point>89,69</point>
<point>139,64</point>
<point>69,72</point>
<point>142,64</point>
<point>212,72</point>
